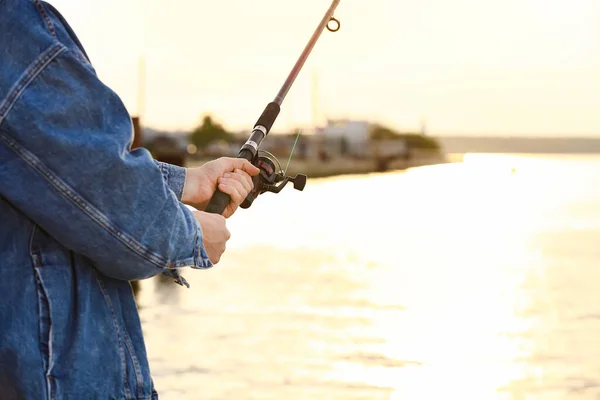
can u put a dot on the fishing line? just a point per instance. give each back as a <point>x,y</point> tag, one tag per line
<point>270,179</point>
<point>292,152</point>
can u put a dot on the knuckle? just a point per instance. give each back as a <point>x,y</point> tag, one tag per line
<point>225,161</point>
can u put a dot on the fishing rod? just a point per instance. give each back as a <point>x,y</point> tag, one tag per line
<point>271,178</point>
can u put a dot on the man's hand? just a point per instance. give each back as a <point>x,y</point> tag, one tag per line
<point>232,175</point>
<point>214,234</point>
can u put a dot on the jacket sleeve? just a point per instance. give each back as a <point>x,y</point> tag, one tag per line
<point>66,163</point>
<point>174,177</point>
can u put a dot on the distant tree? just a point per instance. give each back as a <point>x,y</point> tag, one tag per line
<point>380,132</point>
<point>208,133</point>
<point>413,140</point>
<point>418,141</point>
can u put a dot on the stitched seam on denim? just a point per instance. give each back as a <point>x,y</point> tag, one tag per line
<point>28,76</point>
<point>69,30</point>
<point>189,262</point>
<point>34,257</point>
<point>46,17</point>
<point>165,172</point>
<point>94,214</point>
<point>161,169</point>
<point>194,260</point>
<point>136,365</point>
<point>50,347</point>
<point>39,290</point>
<point>49,366</point>
<point>118,332</point>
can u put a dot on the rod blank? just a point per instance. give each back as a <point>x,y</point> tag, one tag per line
<point>300,63</point>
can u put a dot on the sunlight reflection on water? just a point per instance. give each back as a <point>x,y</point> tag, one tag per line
<point>474,280</point>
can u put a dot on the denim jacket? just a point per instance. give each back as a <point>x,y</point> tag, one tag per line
<point>81,215</point>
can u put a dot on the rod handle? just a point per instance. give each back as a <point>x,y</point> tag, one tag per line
<point>219,202</point>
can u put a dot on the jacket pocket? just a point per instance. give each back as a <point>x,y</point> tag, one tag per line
<point>83,340</point>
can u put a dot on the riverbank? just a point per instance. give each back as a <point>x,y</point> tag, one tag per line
<point>344,166</point>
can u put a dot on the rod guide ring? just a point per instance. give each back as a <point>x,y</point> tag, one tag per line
<point>333,25</point>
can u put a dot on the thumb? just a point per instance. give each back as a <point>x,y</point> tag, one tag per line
<point>244,165</point>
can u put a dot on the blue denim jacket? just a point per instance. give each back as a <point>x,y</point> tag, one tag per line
<point>80,216</point>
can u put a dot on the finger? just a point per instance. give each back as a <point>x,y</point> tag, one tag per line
<point>246,180</point>
<point>243,178</point>
<point>233,188</point>
<point>239,163</point>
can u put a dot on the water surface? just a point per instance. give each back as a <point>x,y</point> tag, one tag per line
<point>477,280</point>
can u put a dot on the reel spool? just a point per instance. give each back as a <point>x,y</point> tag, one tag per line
<point>271,178</point>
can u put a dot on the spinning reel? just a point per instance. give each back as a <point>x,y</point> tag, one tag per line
<point>271,178</point>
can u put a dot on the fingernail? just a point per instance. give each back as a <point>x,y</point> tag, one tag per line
<point>227,175</point>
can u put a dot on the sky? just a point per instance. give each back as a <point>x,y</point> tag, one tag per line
<point>472,67</point>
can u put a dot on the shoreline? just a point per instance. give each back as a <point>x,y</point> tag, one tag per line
<point>342,166</point>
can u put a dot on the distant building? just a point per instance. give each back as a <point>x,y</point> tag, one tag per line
<point>356,132</point>
<point>346,137</point>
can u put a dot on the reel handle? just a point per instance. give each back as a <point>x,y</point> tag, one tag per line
<point>218,203</point>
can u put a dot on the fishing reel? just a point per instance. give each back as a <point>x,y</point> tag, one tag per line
<point>271,178</point>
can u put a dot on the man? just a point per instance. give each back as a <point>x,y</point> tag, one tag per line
<point>81,215</point>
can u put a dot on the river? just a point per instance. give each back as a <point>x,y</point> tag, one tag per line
<point>475,280</point>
